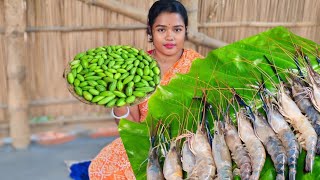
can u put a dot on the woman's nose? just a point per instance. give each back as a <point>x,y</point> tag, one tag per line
<point>169,35</point>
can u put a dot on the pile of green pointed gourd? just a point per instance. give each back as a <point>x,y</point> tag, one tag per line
<point>113,75</point>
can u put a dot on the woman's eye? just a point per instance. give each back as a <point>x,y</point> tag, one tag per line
<point>178,30</point>
<point>161,30</point>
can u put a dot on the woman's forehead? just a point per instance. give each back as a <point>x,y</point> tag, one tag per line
<point>169,19</point>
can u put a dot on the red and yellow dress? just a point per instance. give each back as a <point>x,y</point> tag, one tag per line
<point>112,162</point>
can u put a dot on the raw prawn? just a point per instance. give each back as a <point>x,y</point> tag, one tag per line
<point>172,168</point>
<point>255,148</point>
<point>238,151</point>
<point>284,132</point>
<point>154,171</point>
<point>188,159</point>
<point>314,81</point>
<point>302,100</point>
<point>205,167</point>
<point>221,153</point>
<point>307,136</point>
<point>272,144</point>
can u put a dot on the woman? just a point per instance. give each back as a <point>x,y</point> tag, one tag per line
<point>167,29</point>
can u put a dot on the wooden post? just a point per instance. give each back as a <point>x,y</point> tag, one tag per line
<point>15,35</point>
<point>192,8</point>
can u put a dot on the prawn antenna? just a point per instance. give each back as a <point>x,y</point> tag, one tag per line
<point>204,121</point>
<point>318,55</point>
<point>263,102</point>
<point>306,58</point>
<point>207,108</point>
<point>273,68</point>
<point>295,59</point>
<point>243,104</point>
<point>226,114</point>
<point>227,110</point>
<point>152,133</point>
<point>170,131</point>
<point>153,140</point>
<point>262,87</point>
<point>202,112</point>
<point>214,114</point>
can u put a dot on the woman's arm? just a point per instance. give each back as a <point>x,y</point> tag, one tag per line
<point>134,114</point>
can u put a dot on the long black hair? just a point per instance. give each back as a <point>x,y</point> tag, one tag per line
<point>170,6</point>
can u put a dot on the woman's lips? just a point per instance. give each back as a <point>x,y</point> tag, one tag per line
<point>169,46</point>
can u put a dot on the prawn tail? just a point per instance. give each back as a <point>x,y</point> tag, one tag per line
<point>292,172</point>
<point>280,177</point>
<point>245,171</point>
<point>255,175</point>
<point>292,161</point>
<point>318,146</point>
<point>280,167</point>
<point>309,161</point>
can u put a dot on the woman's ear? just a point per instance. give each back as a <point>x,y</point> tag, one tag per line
<point>186,34</point>
<point>149,33</point>
<point>149,30</point>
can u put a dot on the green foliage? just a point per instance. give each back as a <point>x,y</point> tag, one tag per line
<point>238,66</point>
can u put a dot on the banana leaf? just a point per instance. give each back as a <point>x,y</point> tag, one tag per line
<point>239,65</point>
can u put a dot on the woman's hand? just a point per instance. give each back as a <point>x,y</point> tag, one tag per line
<point>131,113</point>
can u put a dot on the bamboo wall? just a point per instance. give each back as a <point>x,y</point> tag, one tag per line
<point>49,50</point>
<point>233,20</point>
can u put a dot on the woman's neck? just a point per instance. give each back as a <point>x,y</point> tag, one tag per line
<point>166,62</point>
<point>163,59</point>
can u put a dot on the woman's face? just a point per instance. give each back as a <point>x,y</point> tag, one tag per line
<point>168,34</point>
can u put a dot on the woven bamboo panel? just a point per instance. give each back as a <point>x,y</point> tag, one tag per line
<point>50,51</point>
<point>238,19</point>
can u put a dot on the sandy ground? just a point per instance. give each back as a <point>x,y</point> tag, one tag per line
<point>40,162</point>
